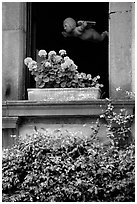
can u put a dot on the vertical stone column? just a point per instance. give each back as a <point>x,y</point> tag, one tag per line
<point>121,56</point>
<point>13,49</point>
<point>133,47</point>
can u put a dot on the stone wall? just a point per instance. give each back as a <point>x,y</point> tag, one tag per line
<point>121,47</point>
<point>13,50</point>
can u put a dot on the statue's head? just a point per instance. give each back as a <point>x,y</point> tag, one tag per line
<point>69,24</point>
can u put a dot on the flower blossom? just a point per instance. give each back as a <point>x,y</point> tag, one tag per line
<point>58,58</point>
<point>64,65</point>
<point>66,58</point>
<point>68,61</point>
<point>42,53</point>
<point>27,60</point>
<point>118,89</point>
<point>32,65</point>
<point>89,76</point>
<point>47,64</point>
<point>62,52</point>
<point>98,77</point>
<point>83,75</point>
<point>51,53</point>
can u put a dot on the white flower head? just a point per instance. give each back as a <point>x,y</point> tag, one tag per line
<point>58,58</point>
<point>66,58</point>
<point>64,65</point>
<point>27,60</point>
<point>98,77</point>
<point>118,89</point>
<point>62,52</point>
<point>47,64</point>
<point>51,53</point>
<point>32,65</point>
<point>89,76</point>
<point>68,61</point>
<point>42,53</point>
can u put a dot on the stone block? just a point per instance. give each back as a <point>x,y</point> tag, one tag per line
<point>120,6</point>
<point>13,16</point>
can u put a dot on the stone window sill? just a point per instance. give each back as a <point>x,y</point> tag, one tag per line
<point>73,108</point>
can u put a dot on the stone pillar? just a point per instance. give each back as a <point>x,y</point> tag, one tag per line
<point>121,43</point>
<point>13,50</point>
<point>133,47</point>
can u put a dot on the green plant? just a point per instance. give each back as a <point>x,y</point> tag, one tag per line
<point>59,71</point>
<point>60,167</point>
<point>118,124</point>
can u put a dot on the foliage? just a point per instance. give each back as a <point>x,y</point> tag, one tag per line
<point>125,94</point>
<point>60,167</point>
<point>118,124</point>
<point>59,71</point>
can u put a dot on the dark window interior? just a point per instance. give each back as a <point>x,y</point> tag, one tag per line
<point>47,25</point>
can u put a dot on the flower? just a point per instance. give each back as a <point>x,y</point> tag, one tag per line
<point>27,60</point>
<point>58,71</point>
<point>69,62</point>
<point>89,76</point>
<point>98,77</point>
<point>47,64</point>
<point>118,89</point>
<point>42,53</point>
<point>51,53</point>
<point>58,59</point>
<point>62,52</point>
<point>32,65</point>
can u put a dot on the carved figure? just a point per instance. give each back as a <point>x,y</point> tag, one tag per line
<point>83,30</point>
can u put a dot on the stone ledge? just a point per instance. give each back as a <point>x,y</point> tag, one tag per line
<point>72,108</point>
<point>9,122</point>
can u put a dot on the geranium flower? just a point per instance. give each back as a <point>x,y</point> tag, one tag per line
<point>68,61</point>
<point>32,65</point>
<point>51,53</point>
<point>98,77</point>
<point>64,65</point>
<point>42,53</point>
<point>47,64</point>
<point>118,89</point>
<point>89,76</point>
<point>27,60</point>
<point>66,58</point>
<point>62,52</point>
<point>58,59</point>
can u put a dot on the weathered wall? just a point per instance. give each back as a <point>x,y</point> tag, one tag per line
<point>121,44</point>
<point>13,49</point>
<point>77,125</point>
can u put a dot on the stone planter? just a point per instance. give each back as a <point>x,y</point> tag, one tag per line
<point>63,94</point>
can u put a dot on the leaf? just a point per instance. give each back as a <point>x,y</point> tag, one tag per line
<point>63,84</point>
<point>46,79</point>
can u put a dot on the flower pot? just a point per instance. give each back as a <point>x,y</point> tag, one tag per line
<point>63,94</point>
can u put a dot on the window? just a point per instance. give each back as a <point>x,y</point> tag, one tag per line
<point>47,25</point>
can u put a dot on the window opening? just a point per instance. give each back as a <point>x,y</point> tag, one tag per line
<point>47,27</point>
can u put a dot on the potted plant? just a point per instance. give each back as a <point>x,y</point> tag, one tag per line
<point>58,79</point>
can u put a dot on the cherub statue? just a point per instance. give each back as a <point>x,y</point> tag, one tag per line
<point>84,30</point>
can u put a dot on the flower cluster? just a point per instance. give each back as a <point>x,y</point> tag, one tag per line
<point>119,124</point>
<point>125,94</point>
<point>59,71</point>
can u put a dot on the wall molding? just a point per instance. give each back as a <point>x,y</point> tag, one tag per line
<point>71,108</point>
